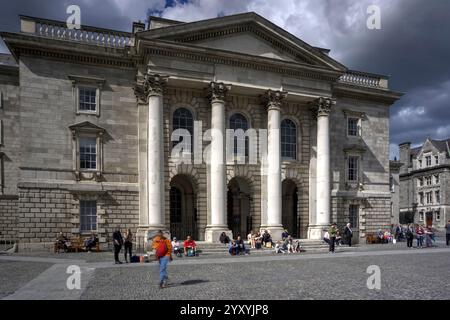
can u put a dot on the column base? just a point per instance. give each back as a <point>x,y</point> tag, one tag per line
<point>316,232</point>
<point>275,232</point>
<point>146,233</point>
<point>212,233</point>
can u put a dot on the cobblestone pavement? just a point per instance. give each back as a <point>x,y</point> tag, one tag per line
<point>405,274</point>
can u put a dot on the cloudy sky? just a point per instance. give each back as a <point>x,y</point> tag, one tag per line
<point>412,46</point>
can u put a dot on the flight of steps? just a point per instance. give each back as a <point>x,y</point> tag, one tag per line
<point>219,249</point>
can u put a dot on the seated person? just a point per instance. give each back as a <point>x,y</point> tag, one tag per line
<point>61,242</point>
<point>176,245</point>
<point>279,247</point>
<point>258,241</point>
<point>224,238</point>
<point>338,240</point>
<point>240,246</point>
<point>289,244</point>
<point>189,244</point>
<point>266,238</point>
<point>380,236</point>
<point>285,234</point>
<point>297,247</point>
<point>232,248</point>
<point>90,242</point>
<point>326,237</point>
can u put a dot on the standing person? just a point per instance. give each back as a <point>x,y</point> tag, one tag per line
<point>419,232</point>
<point>409,236</point>
<point>348,232</point>
<point>128,244</point>
<point>163,253</point>
<point>332,231</point>
<point>447,232</point>
<point>118,242</point>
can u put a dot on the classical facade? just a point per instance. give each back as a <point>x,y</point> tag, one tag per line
<point>424,183</point>
<point>91,119</point>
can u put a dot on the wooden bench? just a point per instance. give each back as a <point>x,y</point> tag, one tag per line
<point>371,238</point>
<point>76,245</point>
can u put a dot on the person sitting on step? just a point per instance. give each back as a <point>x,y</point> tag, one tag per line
<point>190,247</point>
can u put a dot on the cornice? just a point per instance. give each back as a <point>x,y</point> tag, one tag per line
<point>364,93</point>
<point>216,56</point>
<point>31,45</point>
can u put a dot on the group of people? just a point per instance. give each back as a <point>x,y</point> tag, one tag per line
<point>62,242</point>
<point>189,247</point>
<point>425,235</point>
<point>287,244</point>
<point>126,241</point>
<point>333,236</point>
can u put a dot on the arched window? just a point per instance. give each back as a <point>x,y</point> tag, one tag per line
<point>183,119</point>
<point>288,139</point>
<point>238,121</point>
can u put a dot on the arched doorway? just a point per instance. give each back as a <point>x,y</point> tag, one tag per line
<point>238,207</point>
<point>290,207</point>
<point>183,212</point>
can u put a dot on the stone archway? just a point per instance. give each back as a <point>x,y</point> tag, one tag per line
<point>290,207</point>
<point>238,207</point>
<point>183,211</point>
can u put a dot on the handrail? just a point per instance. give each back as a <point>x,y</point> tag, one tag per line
<point>364,79</point>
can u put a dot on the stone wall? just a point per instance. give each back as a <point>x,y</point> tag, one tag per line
<point>44,210</point>
<point>8,217</point>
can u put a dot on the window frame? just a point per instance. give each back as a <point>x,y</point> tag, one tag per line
<point>90,83</point>
<point>175,143</point>
<point>421,216</point>
<point>295,145</point>
<point>236,154</point>
<point>354,115</point>
<point>356,207</point>
<point>85,231</point>
<point>356,170</point>
<point>80,139</point>
<point>437,196</point>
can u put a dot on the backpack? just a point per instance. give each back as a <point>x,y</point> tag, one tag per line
<point>162,249</point>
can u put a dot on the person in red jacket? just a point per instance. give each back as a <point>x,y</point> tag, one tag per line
<point>189,244</point>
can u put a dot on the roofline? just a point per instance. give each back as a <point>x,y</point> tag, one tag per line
<point>164,19</point>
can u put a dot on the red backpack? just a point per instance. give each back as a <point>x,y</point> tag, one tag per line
<point>161,249</point>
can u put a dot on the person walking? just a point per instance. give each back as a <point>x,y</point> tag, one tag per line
<point>163,252</point>
<point>409,236</point>
<point>447,232</point>
<point>118,242</point>
<point>128,244</point>
<point>348,232</point>
<point>332,231</point>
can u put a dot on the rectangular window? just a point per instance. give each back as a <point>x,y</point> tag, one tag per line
<point>421,198</point>
<point>429,197</point>
<point>352,168</point>
<point>437,196</point>
<point>420,164</point>
<point>87,98</point>
<point>352,127</point>
<point>438,216</point>
<point>353,212</point>
<point>436,179</point>
<point>420,182</point>
<point>391,183</point>
<point>88,215</point>
<point>428,160</point>
<point>436,160</point>
<point>421,216</point>
<point>428,179</point>
<point>88,153</point>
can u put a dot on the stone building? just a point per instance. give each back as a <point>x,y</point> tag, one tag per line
<point>394,183</point>
<point>88,117</point>
<point>425,183</point>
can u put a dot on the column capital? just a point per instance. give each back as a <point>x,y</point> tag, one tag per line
<point>274,99</point>
<point>322,107</point>
<point>217,91</point>
<point>150,85</point>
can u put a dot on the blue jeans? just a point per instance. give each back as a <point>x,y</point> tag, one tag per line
<point>163,268</point>
<point>419,241</point>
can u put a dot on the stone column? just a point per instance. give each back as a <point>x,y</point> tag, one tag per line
<point>151,90</point>
<point>274,191</point>
<point>218,190</point>
<point>322,108</point>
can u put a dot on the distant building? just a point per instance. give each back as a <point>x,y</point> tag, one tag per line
<point>424,183</point>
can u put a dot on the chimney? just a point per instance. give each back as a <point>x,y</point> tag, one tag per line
<point>138,26</point>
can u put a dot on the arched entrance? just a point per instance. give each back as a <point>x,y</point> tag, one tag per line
<point>238,206</point>
<point>290,207</point>
<point>183,212</point>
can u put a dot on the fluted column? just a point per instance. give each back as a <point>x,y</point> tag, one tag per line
<point>274,192</point>
<point>150,90</point>
<point>322,108</point>
<point>218,180</point>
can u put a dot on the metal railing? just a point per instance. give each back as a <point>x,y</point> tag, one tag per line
<point>86,34</point>
<point>364,79</point>
<point>6,243</point>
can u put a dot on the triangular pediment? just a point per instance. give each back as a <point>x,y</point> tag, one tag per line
<point>248,34</point>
